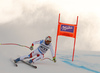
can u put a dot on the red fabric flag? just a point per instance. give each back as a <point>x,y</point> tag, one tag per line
<point>68,30</point>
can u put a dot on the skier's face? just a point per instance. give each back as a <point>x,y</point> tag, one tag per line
<point>47,42</point>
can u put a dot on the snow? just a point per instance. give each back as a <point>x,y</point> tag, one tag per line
<point>25,21</point>
<point>84,61</point>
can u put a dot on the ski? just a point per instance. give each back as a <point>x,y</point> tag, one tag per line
<point>29,64</point>
<point>14,62</point>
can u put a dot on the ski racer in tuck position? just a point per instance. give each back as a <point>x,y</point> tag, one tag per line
<point>39,52</point>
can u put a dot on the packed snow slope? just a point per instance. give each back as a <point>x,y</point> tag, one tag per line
<point>84,62</point>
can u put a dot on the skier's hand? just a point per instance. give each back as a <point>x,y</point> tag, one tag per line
<point>31,48</point>
<point>54,59</point>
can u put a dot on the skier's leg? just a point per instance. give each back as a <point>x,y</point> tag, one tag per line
<point>26,56</point>
<point>39,56</point>
<point>32,54</point>
<point>21,58</point>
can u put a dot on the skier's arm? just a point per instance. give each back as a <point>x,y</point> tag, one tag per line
<point>36,42</point>
<point>52,52</point>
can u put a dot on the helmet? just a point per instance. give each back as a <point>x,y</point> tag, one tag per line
<point>48,40</point>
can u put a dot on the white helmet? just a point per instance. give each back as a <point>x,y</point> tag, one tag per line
<point>48,38</point>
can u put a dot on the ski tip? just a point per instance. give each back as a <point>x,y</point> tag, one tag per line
<point>12,60</point>
<point>16,65</point>
<point>35,67</point>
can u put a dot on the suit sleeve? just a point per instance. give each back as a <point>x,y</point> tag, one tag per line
<point>37,42</point>
<point>52,52</point>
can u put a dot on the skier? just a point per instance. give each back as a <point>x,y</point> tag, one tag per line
<point>39,52</point>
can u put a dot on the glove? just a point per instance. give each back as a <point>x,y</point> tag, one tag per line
<point>31,48</point>
<point>54,59</point>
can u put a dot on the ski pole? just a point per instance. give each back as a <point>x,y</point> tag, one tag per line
<point>13,44</point>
